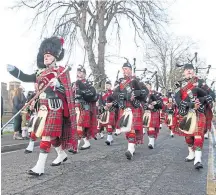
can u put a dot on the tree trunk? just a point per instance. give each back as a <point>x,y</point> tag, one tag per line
<point>101,42</point>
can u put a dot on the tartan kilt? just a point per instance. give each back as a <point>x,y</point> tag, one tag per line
<point>199,131</point>
<point>84,118</point>
<point>111,122</point>
<point>137,117</point>
<point>155,120</point>
<point>54,121</point>
<point>209,117</point>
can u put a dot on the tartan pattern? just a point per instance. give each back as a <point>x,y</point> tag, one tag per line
<point>88,119</point>
<point>137,116</point>
<point>155,120</point>
<point>201,124</point>
<point>93,129</point>
<point>84,118</point>
<point>54,121</point>
<point>136,137</point>
<point>209,117</point>
<point>188,86</point>
<point>198,143</point>
<point>68,134</point>
<point>45,146</point>
<point>189,140</point>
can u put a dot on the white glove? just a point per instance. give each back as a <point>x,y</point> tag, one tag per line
<point>10,67</point>
<point>55,82</point>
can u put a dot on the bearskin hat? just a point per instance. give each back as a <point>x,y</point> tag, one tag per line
<point>40,60</point>
<point>53,46</point>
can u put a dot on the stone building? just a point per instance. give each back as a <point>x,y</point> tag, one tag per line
<point>8,94</point>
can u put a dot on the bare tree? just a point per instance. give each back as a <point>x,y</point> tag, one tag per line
<point>92,19</point>
<point>163,54</point>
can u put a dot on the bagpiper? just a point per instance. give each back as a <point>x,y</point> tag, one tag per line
<point>163,110</point>
<point>33,110</point>
<point>128,95</point>
<point>208,107</point>
<point>86,110</point>
<point>191,101</point>
<point>151,118</point>
<point>56,118</point>
<point>107,112</point>
<point>170,109</point>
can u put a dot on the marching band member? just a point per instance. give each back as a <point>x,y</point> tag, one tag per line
<point>107,112</point>
<point>152,107</point>
<point>143,87</point>
<point>86,110</point>
<point>170,109</point>
<point>128,95</point>
<point>208,107</point>
<point>163,110</point>
<point>56,118</point>
<point>191,101</point>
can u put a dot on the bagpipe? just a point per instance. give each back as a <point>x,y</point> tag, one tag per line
<point>40,91</point>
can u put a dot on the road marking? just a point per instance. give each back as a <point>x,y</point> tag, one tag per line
<point>16,151</point>
<point>211,177</point>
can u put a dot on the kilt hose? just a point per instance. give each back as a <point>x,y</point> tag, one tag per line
<point>136,133</point>
<point>209,117</point>
<point>111,123</point>
<point>54,121</point>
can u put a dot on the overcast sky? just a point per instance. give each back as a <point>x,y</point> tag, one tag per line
<point>191,18</point>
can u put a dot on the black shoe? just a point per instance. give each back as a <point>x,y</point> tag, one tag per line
<point>72,151</point>
<point>27,151</point>
<point>198,165</point>
<point>128,155</point>
<point>150,146</point>
<point>108,143</point>
<point>55,165</point>
<point>30,172</point>
<point>84,148</point>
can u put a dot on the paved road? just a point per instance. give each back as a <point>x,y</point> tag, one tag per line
<point>105,170</point>
<point>9,144</point>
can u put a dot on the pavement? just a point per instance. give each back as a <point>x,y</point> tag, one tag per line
<point>8,144</point>
<point>104,170</point>
<point>211,178</point>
